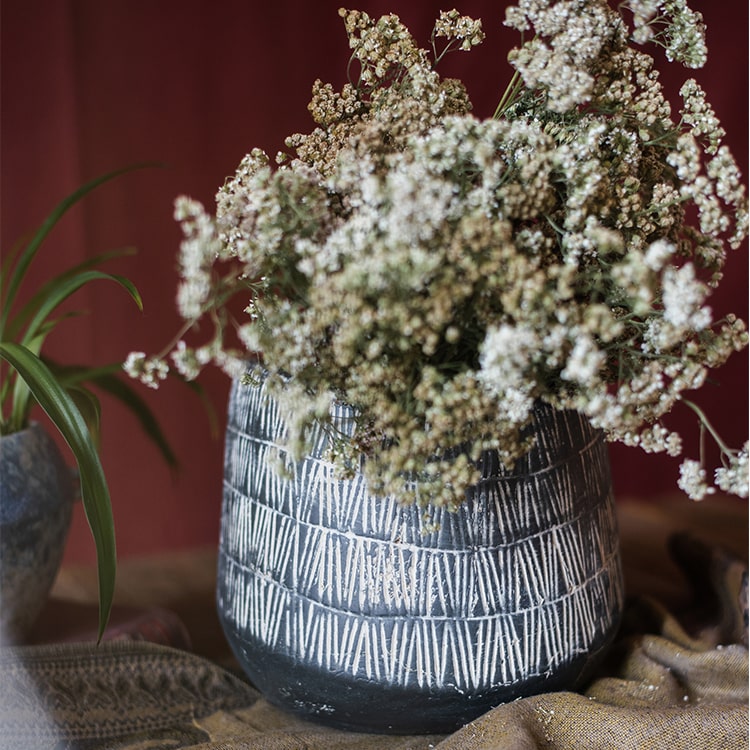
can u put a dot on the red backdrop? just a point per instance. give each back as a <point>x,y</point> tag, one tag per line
<point>89,86</point>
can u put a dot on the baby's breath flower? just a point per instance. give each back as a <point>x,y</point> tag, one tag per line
<point>149,370</point>
<point>685,35</point>
<point>734,477</point>
<point>516,18</point>
<point>452,25</point>
<point>585,361</point>
<point>198,251</point>
<point>643,13</point>
<point>692,480</point>
<point>658,253</point>
<point>699,114</point>
<point>185,361</point>
<point>683,296</point>
<point>234,365</point>
<point>672,25</point>
<point>658,438</point>
<point>506,358</point>
<point>440,273</point>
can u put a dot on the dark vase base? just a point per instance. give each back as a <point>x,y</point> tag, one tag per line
<point>358,705</point>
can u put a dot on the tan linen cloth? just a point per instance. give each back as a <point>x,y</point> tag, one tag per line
<point>668,683</point>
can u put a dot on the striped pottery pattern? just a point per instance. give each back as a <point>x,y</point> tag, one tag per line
<point>320,578</point>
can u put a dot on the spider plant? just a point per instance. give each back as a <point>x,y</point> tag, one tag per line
<point>64,392</point>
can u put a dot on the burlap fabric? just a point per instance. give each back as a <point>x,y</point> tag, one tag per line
<point>670,682</point>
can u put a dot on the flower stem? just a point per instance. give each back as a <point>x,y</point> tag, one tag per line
<point>705,423</point>
<point>508,95</point>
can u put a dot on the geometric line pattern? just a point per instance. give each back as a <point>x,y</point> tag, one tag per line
<point>521,580</point>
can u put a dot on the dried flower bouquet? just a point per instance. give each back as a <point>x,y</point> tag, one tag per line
<point>441,272</point>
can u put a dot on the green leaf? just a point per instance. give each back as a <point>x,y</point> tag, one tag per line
<point>25,258</point>
<point>105,377</point>
<point>7,264</point>
<point>88,405</point>
<point>22,316</point>
<point>197,388</point>
<point>121,390</point>
<point>64,414</point>
<point>15,392</point>
<point>60,292</point>
<point>21,395</point>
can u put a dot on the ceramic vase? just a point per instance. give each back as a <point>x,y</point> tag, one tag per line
<point>344,608</point>
<point>36,503</point>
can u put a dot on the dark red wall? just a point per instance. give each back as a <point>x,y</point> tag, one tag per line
<point>89,86</point>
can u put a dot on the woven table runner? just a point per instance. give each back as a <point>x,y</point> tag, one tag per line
<point>668,683</point>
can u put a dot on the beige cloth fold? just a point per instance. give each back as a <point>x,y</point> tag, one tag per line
<point>667,690</point>
<point>669,682</point>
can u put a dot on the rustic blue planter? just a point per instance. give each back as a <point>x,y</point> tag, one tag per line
<point>341,608</point>
<point>36,501</point>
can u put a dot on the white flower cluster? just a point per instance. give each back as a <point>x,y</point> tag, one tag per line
<point>198,251</point>
<point>463,29</point>
<point>442,273</point>
<point>563,56</point>
<point>734,477</point>
<point>692,480</point>
<point>149,370</point>
<point>674,26</point>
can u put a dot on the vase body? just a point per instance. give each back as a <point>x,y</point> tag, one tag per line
<point>340,606</point>
<point>36,503</point>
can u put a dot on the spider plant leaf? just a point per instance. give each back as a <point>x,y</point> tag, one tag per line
<point>21,401</point>
<point>22,316</point>
<point>52,397</point>
<point>121,390</point>
<point>90,408</point>
<point>13,390</point>
<point>199,391</point>
<point>61,291</point>
<point>24,259</point>
<point>106,378</point>
<point>7,264</point>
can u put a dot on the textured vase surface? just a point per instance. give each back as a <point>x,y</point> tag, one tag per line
<point>36,503</point>
<point>340,607</point>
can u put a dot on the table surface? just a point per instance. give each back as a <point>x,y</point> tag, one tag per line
<point>183,582</point>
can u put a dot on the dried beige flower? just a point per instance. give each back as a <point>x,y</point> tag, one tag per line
<point>441,273</point>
